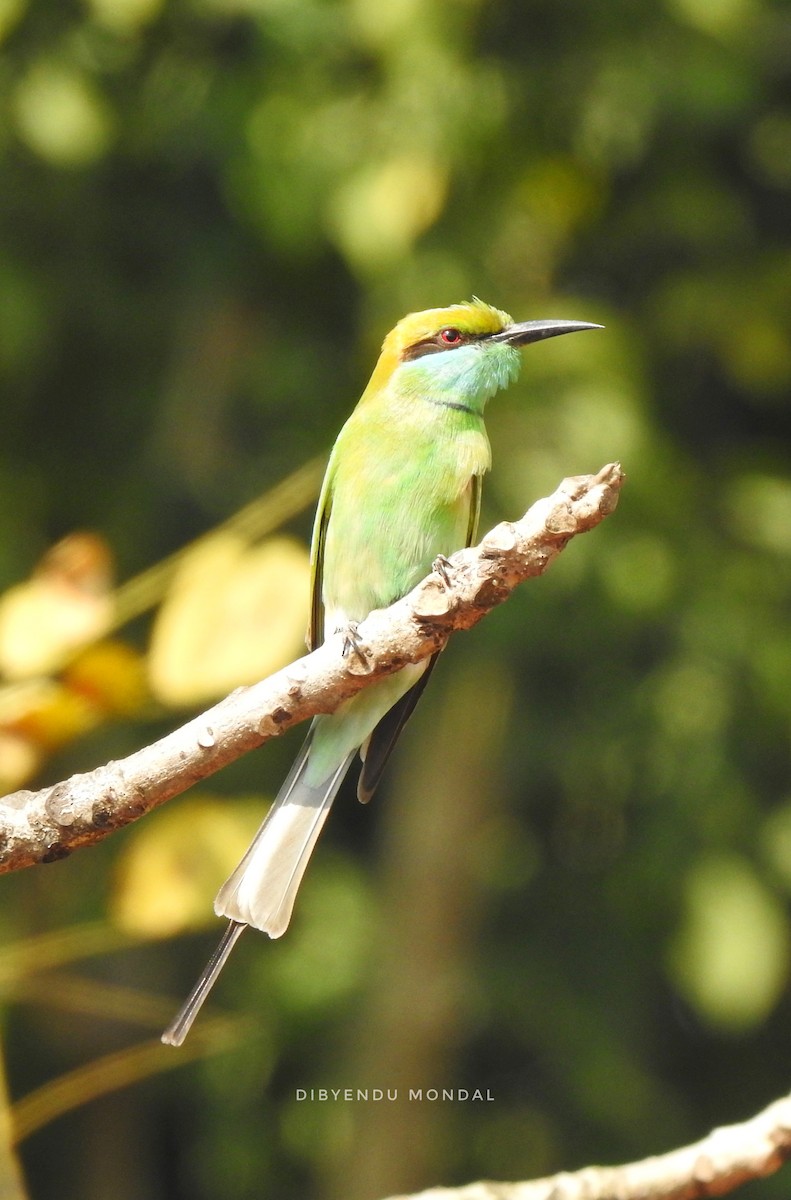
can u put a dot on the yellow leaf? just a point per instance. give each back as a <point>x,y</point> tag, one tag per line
<point>45,713</point>
<point>38,716</point>
<point>66,604</point>
<point>233,615</point>
<point>174,862</point>
<point>19,761</point>
<point>111,675</point>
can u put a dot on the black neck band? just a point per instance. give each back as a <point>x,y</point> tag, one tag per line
<point>455,405</point>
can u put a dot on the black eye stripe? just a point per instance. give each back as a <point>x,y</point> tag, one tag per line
<point>435,345</point>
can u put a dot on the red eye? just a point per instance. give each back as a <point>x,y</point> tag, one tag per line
<point>450,337</point>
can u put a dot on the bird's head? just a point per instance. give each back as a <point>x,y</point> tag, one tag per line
<point>468,349</point>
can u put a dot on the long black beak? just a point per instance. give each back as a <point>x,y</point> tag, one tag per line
<point>525,332</point>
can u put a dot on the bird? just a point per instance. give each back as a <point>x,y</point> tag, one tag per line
<point>402,490</point>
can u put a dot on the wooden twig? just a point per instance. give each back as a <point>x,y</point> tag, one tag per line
<point>720,1162</point>
<point>46,825</point>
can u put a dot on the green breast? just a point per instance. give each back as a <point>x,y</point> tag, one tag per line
<point>401,495</point>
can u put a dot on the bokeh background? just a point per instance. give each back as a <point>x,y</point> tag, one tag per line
<point>573,889</point>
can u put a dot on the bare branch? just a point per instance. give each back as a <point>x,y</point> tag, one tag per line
<point>48,824</point>
<point>727,1158</point>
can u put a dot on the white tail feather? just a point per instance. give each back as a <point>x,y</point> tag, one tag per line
<point>262,890</point>
<point>181,1024</point>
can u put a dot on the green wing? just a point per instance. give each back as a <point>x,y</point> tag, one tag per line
<point>384,737</point>
<point>476,488</point>
<point>315,633</point>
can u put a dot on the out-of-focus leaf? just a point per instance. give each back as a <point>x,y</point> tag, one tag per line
<point>110,675</point>
<point>45,714</point>
<point>172,865</point>
<point>234,614</point>
<point>125,16</point>
<point>730,957</point>
<point>39,716</point>
<point>378,213</point>
<point>65,604</point>
<point>61,115</point>
<point>759,507</point>
<point>640,572</point>
<point>325,957</point>
<point>721,17</point>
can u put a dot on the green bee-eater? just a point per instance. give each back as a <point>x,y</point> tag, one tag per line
<point>402,487</point>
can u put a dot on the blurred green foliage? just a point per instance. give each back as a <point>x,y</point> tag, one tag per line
<point>574,889</point>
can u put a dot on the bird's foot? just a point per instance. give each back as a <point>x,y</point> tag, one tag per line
<point>443,567</point>
<point>353,644</point>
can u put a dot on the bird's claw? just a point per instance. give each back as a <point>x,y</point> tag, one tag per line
<point>443,567</point>
<point>353,644</point>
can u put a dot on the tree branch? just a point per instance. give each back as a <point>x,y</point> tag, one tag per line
<point>727,1158</point>
<point>46,825</point>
